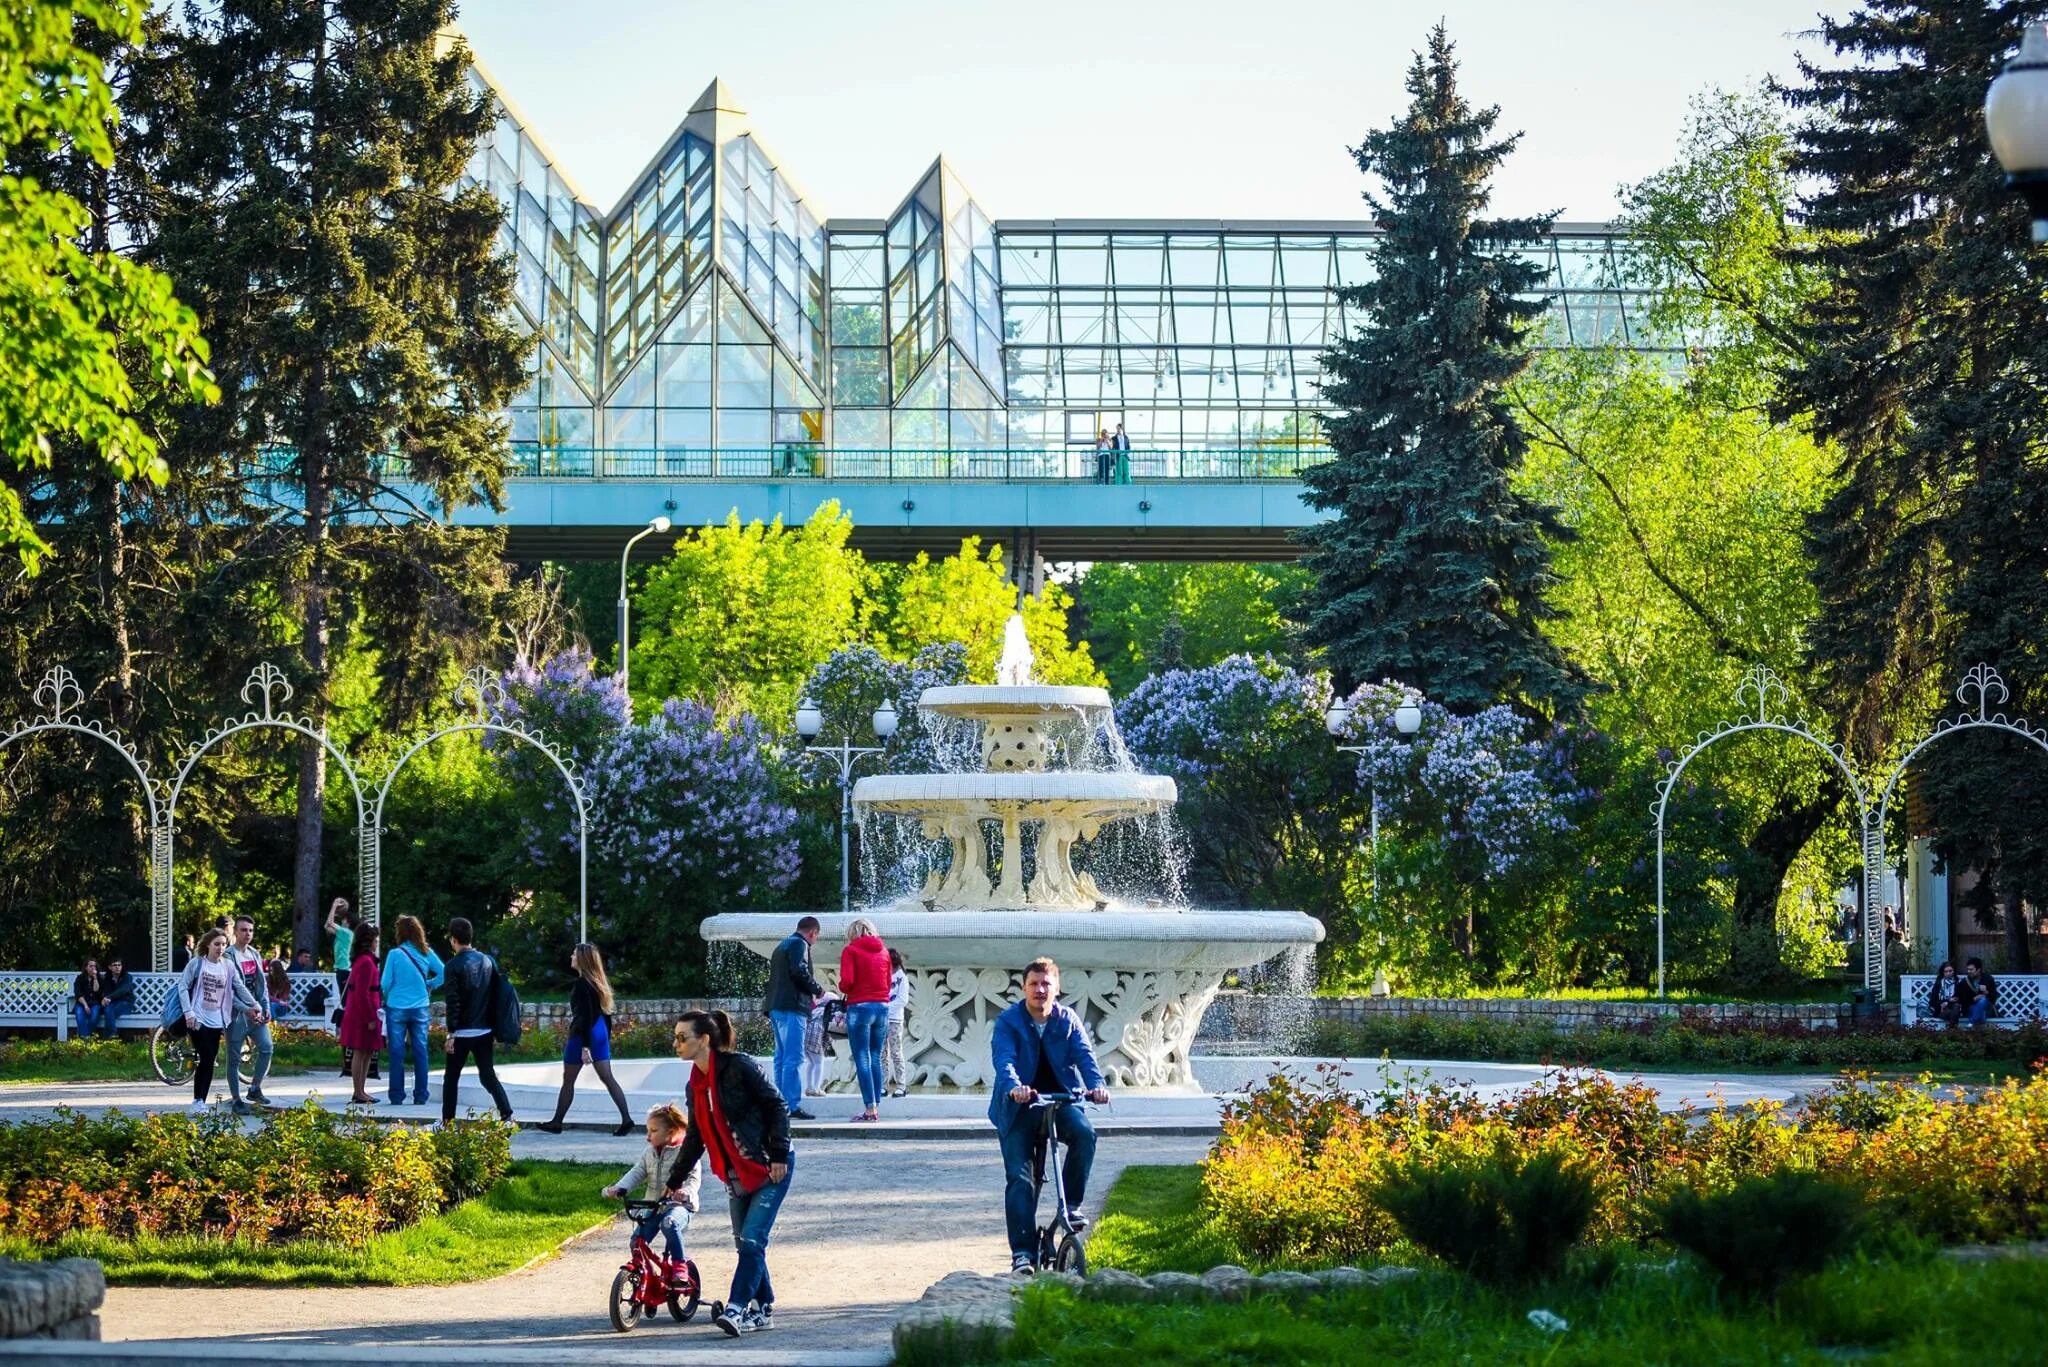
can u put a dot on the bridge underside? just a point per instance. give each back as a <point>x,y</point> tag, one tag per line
<point>590,520</point>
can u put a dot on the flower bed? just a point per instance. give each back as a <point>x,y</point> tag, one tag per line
<point>305,1174</point>
<point>1294,1177</point>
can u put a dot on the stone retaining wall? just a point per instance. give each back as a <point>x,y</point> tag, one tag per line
<point>53,1300</point>
<point>1243,1016</point>
<point>644,1011</point>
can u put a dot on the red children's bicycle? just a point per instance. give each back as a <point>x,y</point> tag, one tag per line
<point>649,1280</point>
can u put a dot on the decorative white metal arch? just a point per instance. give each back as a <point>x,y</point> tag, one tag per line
<point>478,688</point>
<point>60,694</point>
<point>267,688</point>
<point>1761,686</point>
<point>1976,690</point>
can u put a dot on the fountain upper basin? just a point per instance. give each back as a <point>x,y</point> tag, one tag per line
<point>985,700</point>
<point>919,792</point>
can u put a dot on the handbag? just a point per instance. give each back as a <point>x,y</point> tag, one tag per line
<point>172,1017</point>
<point>505,1012</point>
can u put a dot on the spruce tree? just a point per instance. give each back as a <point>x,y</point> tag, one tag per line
<point>1434,568</point>
<point>361,322</point>
<point>1925,361</point>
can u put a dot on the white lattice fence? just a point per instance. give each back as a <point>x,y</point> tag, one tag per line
<point>2021,997</point>
<point>43,1000</point>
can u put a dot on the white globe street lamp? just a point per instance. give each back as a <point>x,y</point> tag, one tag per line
<point>655,525</point>
<point>1407,721</point>
<point>810,720</point>
<point>2016,118</point>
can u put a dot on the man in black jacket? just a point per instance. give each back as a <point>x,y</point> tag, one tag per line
<point>470,985</point>
<point>1985,1002</point>
<point>119,999</point>
<point>791,990</point>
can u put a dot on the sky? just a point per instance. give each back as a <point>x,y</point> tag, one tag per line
<point>1123,108</point>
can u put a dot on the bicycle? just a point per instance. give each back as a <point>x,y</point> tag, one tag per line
<point>174,1057</point>
<point>1059,1239</point>
<point>649,1280</point>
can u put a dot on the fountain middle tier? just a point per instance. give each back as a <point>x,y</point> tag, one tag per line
<point>1065,807</point>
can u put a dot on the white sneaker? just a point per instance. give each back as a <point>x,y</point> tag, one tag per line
<point>759,1317</point>
<point>733,1321</point>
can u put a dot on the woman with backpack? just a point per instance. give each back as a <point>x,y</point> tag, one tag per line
<point>362,1033</point>
<point>590,1038</point>
<point>411,973</point>
<point>210,990</point>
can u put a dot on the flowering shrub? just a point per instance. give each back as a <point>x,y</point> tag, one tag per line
<point>1300,1168</point>
<point>306,1174</point>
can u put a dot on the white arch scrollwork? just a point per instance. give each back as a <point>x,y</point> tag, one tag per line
<point>1981,689</point>
<point>59,695</point>
<point>267,689</point>
<point>478,689</point>
<point>1758,691</point>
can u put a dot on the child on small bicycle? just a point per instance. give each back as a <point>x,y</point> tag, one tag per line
<point>666,1125</point>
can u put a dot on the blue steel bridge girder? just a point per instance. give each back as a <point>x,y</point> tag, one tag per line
<point>578,519</point>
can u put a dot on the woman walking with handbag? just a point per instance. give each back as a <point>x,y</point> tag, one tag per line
<point>362,1032</point>
<point>590,1038</point>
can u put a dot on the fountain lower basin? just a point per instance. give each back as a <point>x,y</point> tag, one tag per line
<point>1139,977</point>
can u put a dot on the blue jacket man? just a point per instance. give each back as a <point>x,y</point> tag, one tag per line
<point>787,1004</point>
<point>1039,1047</point>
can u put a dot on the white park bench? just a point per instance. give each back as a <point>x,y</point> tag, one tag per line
<point>41,1001</point>
<point>2022,997</point>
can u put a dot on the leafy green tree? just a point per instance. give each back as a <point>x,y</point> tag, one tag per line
<point>361,322</point>
<point>1687,503</point>
<point>1922,361</point>
<point>86,336</point>
<point>1435,568</point>
<point>968,598</point>
<point>1127,612</point>
<point>739,615</point>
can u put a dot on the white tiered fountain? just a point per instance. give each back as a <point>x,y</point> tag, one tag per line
<point>1140,975</point>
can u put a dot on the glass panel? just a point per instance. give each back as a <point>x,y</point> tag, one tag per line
<point>1354,261</point>
<point>1248,261</point>
<point>1191,262</point>
<point>1083,260</point>
<point>927,390</point>
<point>626,428</point>
<point>743,427</point>
<point>792,390</point>
<point>856,267</point>
<point>1195,319</point>
<point>736,322</point>
<point>744,375</point>
<point>857,376</point>
<point>805,426</point>
<point>1026,260</point>
<point>684,427</point>
<point>1139,261</point>
<point>1305,262</point>
<point>685,376</point>
<point>1083,318</point>
<point>637,389</point>
<point>861,428</point>
<point>856,319</point>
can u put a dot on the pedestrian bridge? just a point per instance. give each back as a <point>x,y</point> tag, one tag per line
<point>1159,505</point>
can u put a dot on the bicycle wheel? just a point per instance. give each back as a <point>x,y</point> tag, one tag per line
<point>625,1305</point>
<point>246,1064</point>
<point>683,1309</point>
<point>172,1057</point>
<point>1071,1256</point>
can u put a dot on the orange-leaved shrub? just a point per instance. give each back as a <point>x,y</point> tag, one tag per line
<point>305,1174</point>
<point>1297,1174</point>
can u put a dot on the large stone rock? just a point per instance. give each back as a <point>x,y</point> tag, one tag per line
<point>53,1300</point>
<point>1291,1285</point>
<point>1113,1284</point>
<point>962,1315</point>
<point>1228,1282</point>
<point>1176,1286</point>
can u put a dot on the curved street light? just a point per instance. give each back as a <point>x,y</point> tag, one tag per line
<point>2016,119</point>
<point>656,524</point>
<point>810,720</point>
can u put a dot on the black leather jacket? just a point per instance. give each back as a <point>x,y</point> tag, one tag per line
<point>753,1111</point>
<point>467,990</point>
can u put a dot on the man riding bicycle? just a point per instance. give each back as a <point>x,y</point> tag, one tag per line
<point>1041,1047</point>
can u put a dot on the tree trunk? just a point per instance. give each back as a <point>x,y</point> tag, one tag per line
<point>2013,916</point>
<point>1754,956</point>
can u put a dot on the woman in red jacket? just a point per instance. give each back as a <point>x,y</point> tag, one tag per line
<point>361,1030</point>
<point>864,982</point>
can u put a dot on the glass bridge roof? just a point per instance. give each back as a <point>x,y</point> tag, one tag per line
<point>713,324</point>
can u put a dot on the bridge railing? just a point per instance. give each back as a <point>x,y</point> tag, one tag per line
<point>798,461</point>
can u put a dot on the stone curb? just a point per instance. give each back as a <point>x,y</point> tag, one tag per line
<point>51,1300</point>
<point>971,1314</point>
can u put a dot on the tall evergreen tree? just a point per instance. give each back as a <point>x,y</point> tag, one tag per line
<point>1434,569</point>
<point>1926,362</point>
<point>361,323</point>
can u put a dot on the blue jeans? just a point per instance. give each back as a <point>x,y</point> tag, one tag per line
<point>867,1025</point>
<point>87,1017</point>
<point>789,1055</point>
<point>1980,1009</point>
<point>671,1222</point>
<point>239,1029</point>
<point>406,1027</point>
<point>753,1215</point>
<point>1021,1144</point>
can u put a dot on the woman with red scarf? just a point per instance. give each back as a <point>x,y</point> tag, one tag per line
<point>739,1119</point>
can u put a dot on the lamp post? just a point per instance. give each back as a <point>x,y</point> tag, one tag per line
<point>656,524</point>
<point>809,722</point>
<point>2016,118</point>
<point>1407,721</point>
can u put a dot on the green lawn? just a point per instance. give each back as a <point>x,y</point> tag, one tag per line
<point>1626,1305</point>
<point>1828,991</point>
<point>530,1213</point>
